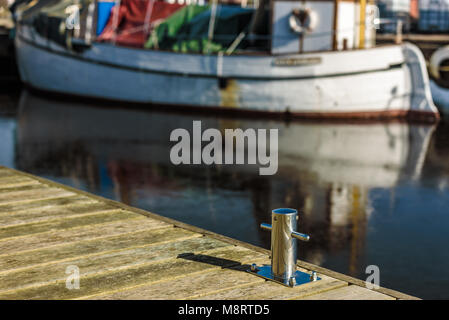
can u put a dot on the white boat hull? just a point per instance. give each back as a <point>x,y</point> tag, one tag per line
<point>387,81</point>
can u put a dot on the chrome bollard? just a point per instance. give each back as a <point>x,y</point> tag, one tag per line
<point>284,250</point>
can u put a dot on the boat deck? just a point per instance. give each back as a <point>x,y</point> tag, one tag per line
<point>127,253</point>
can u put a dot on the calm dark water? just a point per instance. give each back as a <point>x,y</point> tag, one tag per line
<point>368,194</point>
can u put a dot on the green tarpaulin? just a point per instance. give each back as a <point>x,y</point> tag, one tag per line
<point>187,29</point>
<point>165,35</point>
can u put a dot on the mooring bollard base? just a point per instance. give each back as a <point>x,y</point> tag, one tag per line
<point>298,279</point>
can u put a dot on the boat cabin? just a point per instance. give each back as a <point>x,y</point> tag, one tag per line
<point>322,25</point>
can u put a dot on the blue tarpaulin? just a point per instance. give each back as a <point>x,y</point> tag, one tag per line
<point>104,11</point>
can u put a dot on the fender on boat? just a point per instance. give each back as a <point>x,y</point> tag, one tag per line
<point>436,59</point>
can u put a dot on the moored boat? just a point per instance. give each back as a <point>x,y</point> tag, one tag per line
<point>316,59</point>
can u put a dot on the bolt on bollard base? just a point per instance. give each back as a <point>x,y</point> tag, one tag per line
<point>297,278</point>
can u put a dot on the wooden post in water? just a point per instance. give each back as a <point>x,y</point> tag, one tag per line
<point>362,24</point>
<point>398,38</point>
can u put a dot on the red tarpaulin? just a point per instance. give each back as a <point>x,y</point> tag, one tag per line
<point>131,19</point>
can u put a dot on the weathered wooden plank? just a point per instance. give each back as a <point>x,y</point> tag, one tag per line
<point>16,181</point>
<point>31,195</point>
<point>132,276</point>
<point>351,292</point>
<point>272,290</point>
<point>355,281</point>
<point>29,229</point>
<point>5,172</point>
<point>188,287</point>
<point>107,261</point>
<point>15,177</point>
<point>18,184</point>
<point>42,240</point>
<point>37,206</point>
<point>52,212</point>
<point>79,249</point>
<point>5,192</point>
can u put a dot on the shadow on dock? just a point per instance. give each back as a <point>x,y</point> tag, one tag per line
<point>214,261</point>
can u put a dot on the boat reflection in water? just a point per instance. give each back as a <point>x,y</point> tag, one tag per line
<point>327,171</point>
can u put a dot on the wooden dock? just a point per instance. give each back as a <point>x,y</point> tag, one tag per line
<point>127,253</point>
